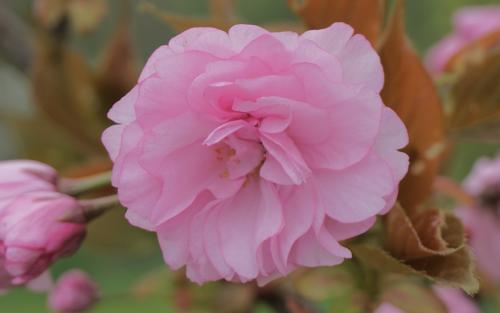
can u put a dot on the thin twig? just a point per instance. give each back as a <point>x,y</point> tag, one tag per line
<point>76,186</point>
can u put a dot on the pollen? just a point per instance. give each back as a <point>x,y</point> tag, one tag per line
<point>224,174</point>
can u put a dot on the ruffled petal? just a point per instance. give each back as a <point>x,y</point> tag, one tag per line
<point>150,67</point>
<point>112,139</point>
<point>332,39</point>
<point>392,136</point>
<point>309,252</point>
<point>241,35</point>
<point>174,235</point>
<point>248,219</point>
<point>205,39</point>
<point>339,136</point>
<point>343,231</point>
<point>123,111</point>
<point>282,148</point>
<point>361,64</point>
<point>359,190</point>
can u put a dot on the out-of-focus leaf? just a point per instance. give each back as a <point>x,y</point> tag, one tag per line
<point>333,289</point>
<point>410,91</point>
<point>57,148</point>
<point>433,243</point>
<point>486,131</point>
<point>365,16</point>
<point>456,269</point>
<point>49,12</point>
<point>112,234</point>
<point>117,71</point>
<point>283,27</point>
<point>379,259</point>
<point>152,283</point>
<point>84,16</point>
<point>428,233</point>
<point>222,9</point>
<point>294,305</point>
<point>181,22</point>
<point>234,298</point>
<point>450,188</point>
<point>412,297</point>
<point>474,87</point>
<point>16,45</point>
<point>64,88</point>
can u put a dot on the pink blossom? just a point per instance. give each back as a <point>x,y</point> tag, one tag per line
<point>74,292</point>
<point>483,228</point>
<point>32,236</point>
<point>387,308</point>
<point>484,179</point>
<point>469,23</point>
<point>455,300</point>
<point>483,221</point>
<point>252,153</point>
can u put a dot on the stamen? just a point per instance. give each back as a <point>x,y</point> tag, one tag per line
<point>224,174</point>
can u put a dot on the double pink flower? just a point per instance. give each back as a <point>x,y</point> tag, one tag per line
<point>252,153</point>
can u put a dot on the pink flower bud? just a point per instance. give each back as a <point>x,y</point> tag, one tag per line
<point>387,308</point>
<point>455,300</point>
<point>32,235</point>
<point>21,176</point>
<point>74,292</point>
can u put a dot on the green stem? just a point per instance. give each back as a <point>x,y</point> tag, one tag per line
<point>76,186</point>
<point>92,208</point>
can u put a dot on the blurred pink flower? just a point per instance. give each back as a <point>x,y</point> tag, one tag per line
<point>483,221</point>
<point>387,308</point>
<point>469,23</point>
<point>252,153</point>
<point>483,181</point>
<point>74,292</point>
<point>455,300</point>
<point>31,235</point>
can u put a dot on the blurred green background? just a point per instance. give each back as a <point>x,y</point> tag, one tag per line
<point>117,255</point>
